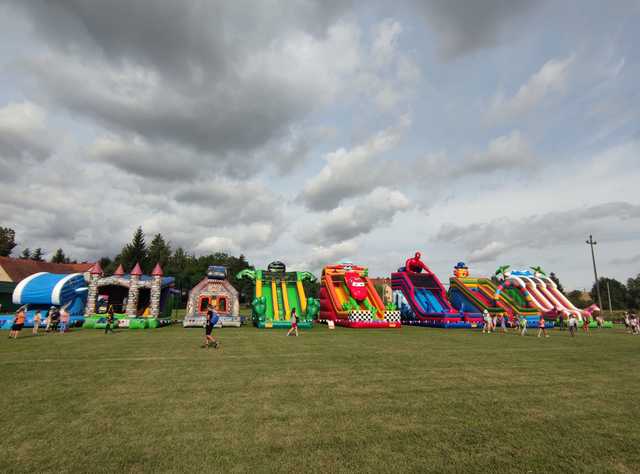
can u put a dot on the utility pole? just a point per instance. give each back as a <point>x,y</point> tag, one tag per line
<point>591,243</point>
<point>609,293</point>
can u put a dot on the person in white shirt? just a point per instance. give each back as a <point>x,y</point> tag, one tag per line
<point>573,325</point>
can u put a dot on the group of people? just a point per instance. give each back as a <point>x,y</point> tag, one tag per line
<point>518,324</point>
<point>57,319</point>
<point>632,323</point>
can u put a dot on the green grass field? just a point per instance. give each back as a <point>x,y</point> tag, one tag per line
<point>412,399</point>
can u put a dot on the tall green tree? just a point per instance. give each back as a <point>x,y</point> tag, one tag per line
<point>619,294</point>
<point>7,241</point>
<point>556,280</point>
<point>134,252</point>
<point>159,252</point>
<point>59,257</point>
<point>633,292</point>
<point>26,253</point>
<point>37,255</point>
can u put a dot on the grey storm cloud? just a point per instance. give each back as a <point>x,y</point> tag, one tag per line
<point>464,26</point>
<point>616,221</point>
<point>198,74</point>
<point>24,138</point>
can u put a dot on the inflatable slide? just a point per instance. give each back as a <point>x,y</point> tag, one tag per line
<point>422,299</point>
<point>277,293</point>
<point>479,294</point>
<point>538,290</point>
<point>348,298</point>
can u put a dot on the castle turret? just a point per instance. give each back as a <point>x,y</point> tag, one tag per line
<point>132,300</point>
<point>156,290</point>
<point>94,275</point>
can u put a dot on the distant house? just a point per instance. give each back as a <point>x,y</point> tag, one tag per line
<point>383,285</point>
<point>14,270</point>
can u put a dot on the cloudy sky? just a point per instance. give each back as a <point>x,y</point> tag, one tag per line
<point>494,132</point>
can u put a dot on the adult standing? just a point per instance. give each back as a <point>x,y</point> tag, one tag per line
<point>573,325</point>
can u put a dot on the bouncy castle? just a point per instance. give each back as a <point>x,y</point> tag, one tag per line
<point>348,298</point>
<point>422,299</point>
<point>214,290</point>
<point>277,293</point>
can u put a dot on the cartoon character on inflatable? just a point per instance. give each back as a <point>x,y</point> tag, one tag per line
<point>415,265</point>
<point>356,284</point>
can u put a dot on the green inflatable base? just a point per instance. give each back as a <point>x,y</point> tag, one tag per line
<point>100,322</point>
<point>607,324</point>
<point>270,324</point>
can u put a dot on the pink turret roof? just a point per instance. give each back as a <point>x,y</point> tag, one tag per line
<point>137,271</point>
<point>157,271</point>
<point>96,269</point>
<point>119,271</point>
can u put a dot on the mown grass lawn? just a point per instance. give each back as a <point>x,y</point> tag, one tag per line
<point>412,399</point>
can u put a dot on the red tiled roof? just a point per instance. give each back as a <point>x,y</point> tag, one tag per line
<point>18,269</point>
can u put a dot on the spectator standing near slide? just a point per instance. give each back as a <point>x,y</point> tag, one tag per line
<point>64,320</point>
<point>573,325</point>
<point>487,322</point>
<point>585,325</point>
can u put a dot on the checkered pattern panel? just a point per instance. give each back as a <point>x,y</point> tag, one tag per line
<point>360,316</point>
<point>392,316</point>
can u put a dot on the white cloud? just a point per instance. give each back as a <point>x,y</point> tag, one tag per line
<point>352,172</point>
<point>551,78</point>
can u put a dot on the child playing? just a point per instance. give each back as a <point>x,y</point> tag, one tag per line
<point>585,325</point>
<point>64,320</point>
<point>109,326</point>
<point>541,329</point>
<point>503,324</point>
<point>294,323</point>
<point>487,322</point>
<point>210,322</point>
<point>36,322</point>
<point>523,326</point>
<point>18,323</point>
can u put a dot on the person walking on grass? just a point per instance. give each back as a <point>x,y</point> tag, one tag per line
<point>37,319</point>
<point>542,330</point>
<point>494,323</point>
<point>210,322</point>
<point>561,321</point>
<point>523,326</point>
<point>633,324</point>
<point>573,325</point>
<point>18,323</point>
<point>109,326</point>
<point>294,323</point>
